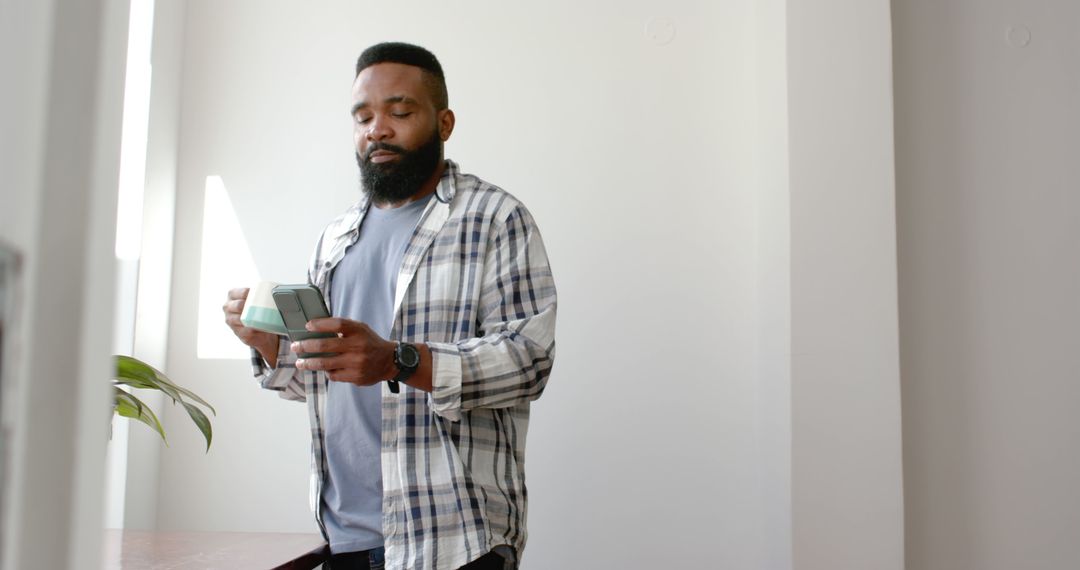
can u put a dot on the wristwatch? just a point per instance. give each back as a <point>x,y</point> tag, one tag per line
<point>407,360</point>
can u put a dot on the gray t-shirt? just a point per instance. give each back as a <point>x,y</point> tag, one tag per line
<point>362,289</point>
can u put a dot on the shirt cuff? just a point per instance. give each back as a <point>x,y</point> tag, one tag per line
<point>446,380</point>
<point>278,378</point>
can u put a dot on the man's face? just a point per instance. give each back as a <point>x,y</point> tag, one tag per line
<point>397,131</point>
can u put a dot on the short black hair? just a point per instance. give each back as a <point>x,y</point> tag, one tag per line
<point>409,54</point>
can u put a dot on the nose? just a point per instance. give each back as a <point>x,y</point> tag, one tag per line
<point>379,129</point>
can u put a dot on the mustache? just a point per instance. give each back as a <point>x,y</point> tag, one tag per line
<point>383,146</point>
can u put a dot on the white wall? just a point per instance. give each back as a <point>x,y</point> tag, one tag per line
<point>637,160</point>
<point>987,137</point>
<point>773,287</point>
<point>155,264</point>
<point>60,122</point>
<point>847,503</point>
<point>601,129</point>
<point>691,262</point>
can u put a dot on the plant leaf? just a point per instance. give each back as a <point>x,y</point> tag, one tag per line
<point>192,395</point>
<point>201,421</point>
<point>138,374</point>
<point>128,406</point>
<point>125,404</point>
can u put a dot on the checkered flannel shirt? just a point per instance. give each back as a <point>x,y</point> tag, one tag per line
<point>475,285</point>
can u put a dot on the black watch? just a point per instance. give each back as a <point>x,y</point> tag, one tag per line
<point>407,360</point>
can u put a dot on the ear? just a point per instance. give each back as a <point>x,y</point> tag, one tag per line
<point>446,124</point>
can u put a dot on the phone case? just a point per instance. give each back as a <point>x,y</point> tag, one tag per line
<point>299,304</point>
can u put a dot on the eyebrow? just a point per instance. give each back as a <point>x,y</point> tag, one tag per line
<point>389,101</point>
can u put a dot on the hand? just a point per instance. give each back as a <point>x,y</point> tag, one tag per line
<point>264,342</point>
<point>361,356</point>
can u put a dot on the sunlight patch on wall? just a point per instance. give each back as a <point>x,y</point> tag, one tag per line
<point>226,262</point>
<point>134,131</point>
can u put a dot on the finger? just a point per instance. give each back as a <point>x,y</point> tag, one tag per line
<point>320,363</point>
<point>317,345</point>
<point>238,293</point>
<point>335,324</point>
<point>236,306</point>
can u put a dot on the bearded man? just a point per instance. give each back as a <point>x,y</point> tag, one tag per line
<point>440,281</point>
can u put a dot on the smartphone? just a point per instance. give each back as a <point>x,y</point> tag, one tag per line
<point>299,304</point>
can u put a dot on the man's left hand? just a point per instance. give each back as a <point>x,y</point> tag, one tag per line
<point>362,357</point>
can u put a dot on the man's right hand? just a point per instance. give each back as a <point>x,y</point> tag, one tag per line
<point>264,342</point>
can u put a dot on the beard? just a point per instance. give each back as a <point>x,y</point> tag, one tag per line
<point>395,181</point>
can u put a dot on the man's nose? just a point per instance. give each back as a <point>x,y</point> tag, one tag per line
<point>378,130</point>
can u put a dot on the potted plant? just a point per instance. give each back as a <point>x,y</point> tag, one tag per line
<point>134,373</point>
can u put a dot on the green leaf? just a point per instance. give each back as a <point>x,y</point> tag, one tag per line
<point>201,421</point>
<point>128,406</point>
<point>192,395</point>
<point>138,374</point>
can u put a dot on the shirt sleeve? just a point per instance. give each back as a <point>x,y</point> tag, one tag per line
<point>509,362</point>
<point>285,378</point>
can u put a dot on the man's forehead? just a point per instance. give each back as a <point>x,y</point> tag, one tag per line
<point>381,77</point>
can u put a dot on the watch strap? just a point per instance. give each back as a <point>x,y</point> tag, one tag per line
<point>405,370</point>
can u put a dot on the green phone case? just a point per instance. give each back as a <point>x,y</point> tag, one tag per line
<point>299,304</point>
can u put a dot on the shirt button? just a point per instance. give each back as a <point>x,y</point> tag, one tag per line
<point>327,264</point>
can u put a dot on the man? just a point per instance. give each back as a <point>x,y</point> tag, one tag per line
<point>451,270</point>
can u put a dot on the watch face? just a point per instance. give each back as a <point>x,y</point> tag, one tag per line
<point>408,355</point>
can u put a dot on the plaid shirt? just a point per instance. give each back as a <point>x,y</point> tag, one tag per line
<point>475,286</point>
